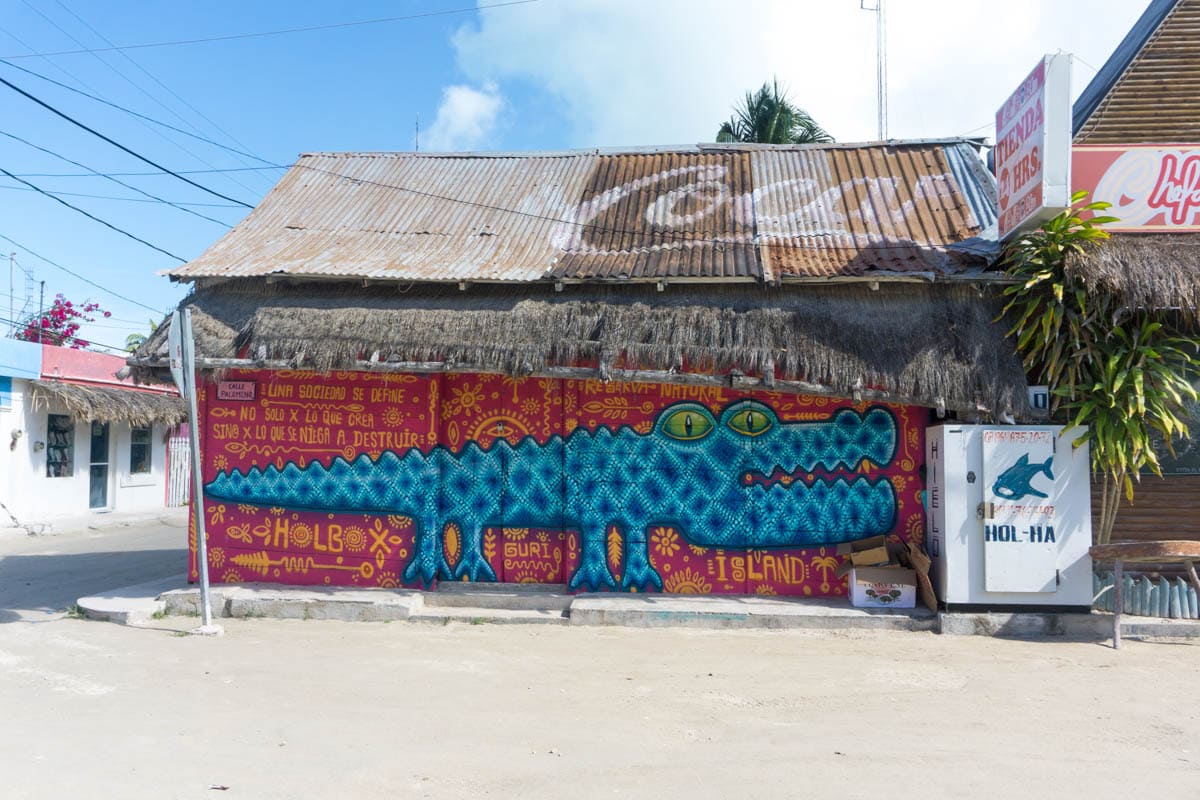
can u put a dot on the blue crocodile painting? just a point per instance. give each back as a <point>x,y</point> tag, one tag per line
<point>740,479</point>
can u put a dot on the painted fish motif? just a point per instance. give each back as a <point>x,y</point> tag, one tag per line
<point>1016,481</point>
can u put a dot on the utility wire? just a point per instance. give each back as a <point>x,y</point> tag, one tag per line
<point>139,115</point>
<point>164,86</point>
<point>145,174</point>
<point>93,217</point>
<point>280,32</point>
<point>124,199</point>
<point>118,145</point>
<point>75,274</point>
<point>112,68</point>
<point>73,77</point>
<point>117,181</point>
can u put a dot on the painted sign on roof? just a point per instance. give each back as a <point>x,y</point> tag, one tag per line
<point>708,212</point>
<point>1153,188</point>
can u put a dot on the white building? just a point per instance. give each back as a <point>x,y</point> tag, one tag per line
<point>79,440</point>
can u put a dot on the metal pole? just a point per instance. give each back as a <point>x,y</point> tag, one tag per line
<point>41,309</point>
<point>189,379</point>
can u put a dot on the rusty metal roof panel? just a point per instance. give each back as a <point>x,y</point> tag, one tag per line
<point>896,209</point>
<point>706,212</point>
<point>404,217</point>
<point>664,215</point>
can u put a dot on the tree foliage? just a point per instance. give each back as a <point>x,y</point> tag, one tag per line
<point>769,117</point>
<point>135,340</point>
<point>59,324</point>
<point>1122,372</point>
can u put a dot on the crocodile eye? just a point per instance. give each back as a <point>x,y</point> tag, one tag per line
<point>750,422</point>
<point>687,424</point>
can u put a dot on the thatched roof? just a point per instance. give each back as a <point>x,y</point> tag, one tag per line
<point>930,344</point>
<point>1147,271</point>
<point>110,404</point>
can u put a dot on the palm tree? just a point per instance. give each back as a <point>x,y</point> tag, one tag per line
<point>769,117</point>
<point>135,340</point>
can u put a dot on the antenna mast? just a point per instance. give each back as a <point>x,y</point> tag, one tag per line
<point>880,65</point>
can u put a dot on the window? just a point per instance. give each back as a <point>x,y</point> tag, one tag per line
<point>60,446</point>
<point>139,451</point>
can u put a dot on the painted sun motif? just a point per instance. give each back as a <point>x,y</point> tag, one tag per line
<point>765,589</point>
<point>231,576</point>
<point>392,417</point>
<point>465,399</point>
<point>697,550</point>
<point>301,535</point>
<point>356,539</point>
<point>246,508</point>
<point>686,581</point>
<point>220,462</point>
<point>216,557</point>
<point>530,406</point>
<point>665,541</point>
<point>388,580</point>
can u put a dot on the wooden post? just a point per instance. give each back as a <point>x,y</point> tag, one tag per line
<point>1118,580</point>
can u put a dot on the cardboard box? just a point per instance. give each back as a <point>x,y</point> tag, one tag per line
<point>870,552</point>
<point>883,587</point>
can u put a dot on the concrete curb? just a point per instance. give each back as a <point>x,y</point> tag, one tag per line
<point>130,605</point>
<point>723,613</point>
<point>135,605</point>
<point>318,602</point>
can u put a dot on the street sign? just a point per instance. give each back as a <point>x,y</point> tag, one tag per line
<point>1033,147</point>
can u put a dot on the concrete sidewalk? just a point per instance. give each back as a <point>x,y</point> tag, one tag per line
<point>95,521</point>
<point>515,604</point>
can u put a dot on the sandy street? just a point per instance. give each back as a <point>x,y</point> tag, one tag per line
<point>280,709</point>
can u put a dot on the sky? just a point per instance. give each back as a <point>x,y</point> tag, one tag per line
<point>492,75</point>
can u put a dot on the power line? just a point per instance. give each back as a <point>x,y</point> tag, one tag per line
<point>280,32</point>
<point>145,174</point>
<point>117,181</point>
<point>73,77</point>
<point>119,73</point>
<point>75,274</point>
<point>118,145</point>
<point>93,217</point>
<point>141,116</point>
<point>164,86</point>
<point>124,199</point>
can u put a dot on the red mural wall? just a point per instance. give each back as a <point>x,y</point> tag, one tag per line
<point>263,419</point>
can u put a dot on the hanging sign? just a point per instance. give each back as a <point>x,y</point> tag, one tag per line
<point>1152,187</point>
<point>1033,147</point>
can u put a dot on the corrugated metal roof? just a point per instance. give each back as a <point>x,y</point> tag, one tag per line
<point>1149,89</point>
<point>706,212</point>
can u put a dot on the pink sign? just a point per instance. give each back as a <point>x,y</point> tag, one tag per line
<point>1153,188</point>
<point>1032,147</point>
<point>236,390</point>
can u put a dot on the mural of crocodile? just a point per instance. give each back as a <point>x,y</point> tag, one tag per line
<point>738,479</point>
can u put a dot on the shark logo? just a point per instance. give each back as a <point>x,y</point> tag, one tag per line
<point>1016,481</point>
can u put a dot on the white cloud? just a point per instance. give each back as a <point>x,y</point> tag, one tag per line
<point>632,72</point>
<point>465,118</point>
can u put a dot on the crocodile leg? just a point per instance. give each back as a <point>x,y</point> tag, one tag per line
<point>592,574</point>
<point>638,574</point>
<point>472,565</point>
<point>427,555</point>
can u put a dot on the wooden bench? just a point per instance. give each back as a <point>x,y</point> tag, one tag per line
<point>1162,552</point>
